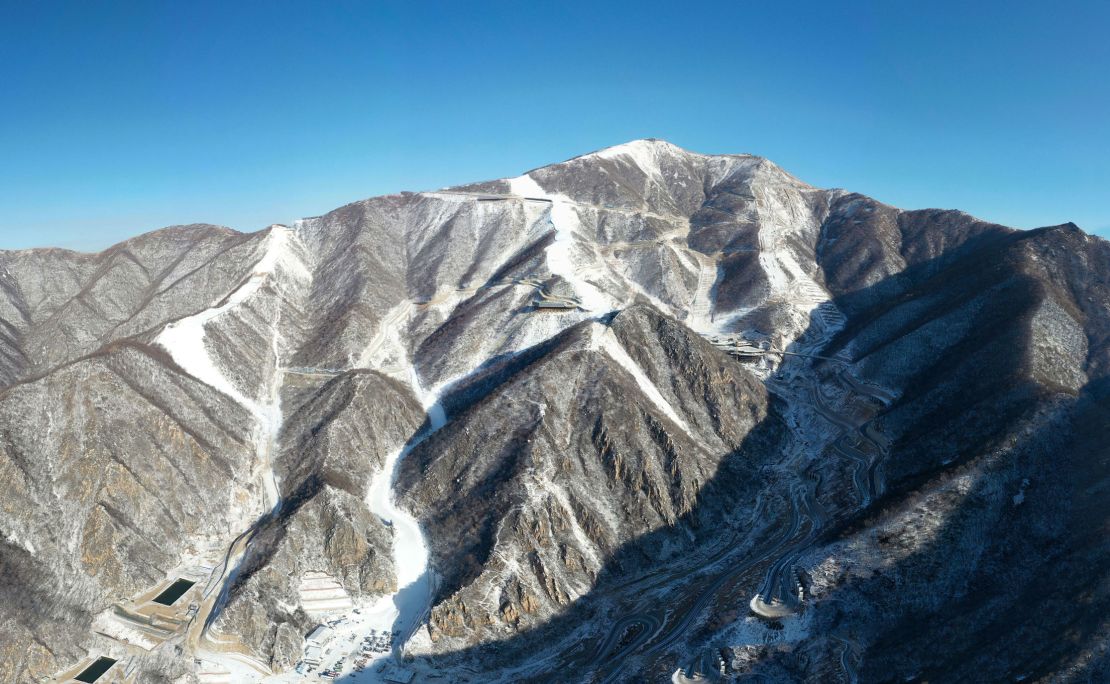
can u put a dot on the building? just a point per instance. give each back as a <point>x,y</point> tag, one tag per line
<point>556,304</point>
<point>313,655</point>
<point>397,675</point>
<point>319,637</point>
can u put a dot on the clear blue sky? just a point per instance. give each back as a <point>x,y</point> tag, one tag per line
<point>117,118</point>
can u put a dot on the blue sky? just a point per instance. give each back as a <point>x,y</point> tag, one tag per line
<point>117,118</point>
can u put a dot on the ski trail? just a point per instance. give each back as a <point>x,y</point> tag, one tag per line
<point>385,351</point>
<point>701,308</point>
<point>185,341</point>
<point>562,254</point>
<point>404,609</point>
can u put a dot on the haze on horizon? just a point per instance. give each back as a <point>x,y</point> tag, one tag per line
<point>120,119</point>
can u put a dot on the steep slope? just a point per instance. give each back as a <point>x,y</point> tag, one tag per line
<point>58,305</point>
<point>422,276</point>
<point>994,479</point>
<point>333,446</point>
<point>554,459</point>
<point>115,468</point>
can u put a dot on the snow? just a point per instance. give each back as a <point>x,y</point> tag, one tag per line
<point>15,539</point>
<point>404,609</point>
<point>585,544</point>
<point>575,258</point>
<point>386,350</point>
<point>111,624</point>
<point>784,217</point>
<point>754,631</point>
<point>700,315</point>
<point>401,611</point>
<point>184,339</point>
<point>320,595</point>
<point>410,554</point>
<point>229,668</point>
<point>609,344</point>
<point>281,265</point>
<point>563,255</point>
<point>544,484</point>
<point>598,283</point>
<point>642,153</point>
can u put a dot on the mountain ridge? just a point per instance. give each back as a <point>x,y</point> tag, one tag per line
<point>637,412</point>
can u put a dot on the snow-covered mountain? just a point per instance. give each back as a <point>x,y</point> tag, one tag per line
<point>643,415</point>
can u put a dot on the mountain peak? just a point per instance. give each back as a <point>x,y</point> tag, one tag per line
<point>641,146</point>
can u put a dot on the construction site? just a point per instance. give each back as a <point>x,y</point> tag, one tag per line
<point>138,625</point>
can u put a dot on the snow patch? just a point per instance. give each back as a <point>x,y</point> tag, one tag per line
<point>404,609</point>
<point>643,153</point>
<point>184,340</point>
<point>386,350</point>
<point>410,555</point>
<point>15,539</point>
<point>609,344</point>
<point>564,257</point>
<point>320,594</point>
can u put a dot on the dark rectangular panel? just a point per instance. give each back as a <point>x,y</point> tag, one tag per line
<point>94,671</point>
<point>173,592</point>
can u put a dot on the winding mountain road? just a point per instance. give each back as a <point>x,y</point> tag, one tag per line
<point>658,633</point>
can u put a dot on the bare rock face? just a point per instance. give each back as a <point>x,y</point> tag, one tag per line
<point>558,457</point>
<point>114,467</point>
<point>342,434</point>
<point>642,411</point>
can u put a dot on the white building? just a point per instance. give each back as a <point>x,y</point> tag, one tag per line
<point>313,655</point>
<point>320,636</point>
<point>398,675</point>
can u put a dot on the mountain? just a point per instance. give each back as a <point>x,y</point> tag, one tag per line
<point>643,415</point>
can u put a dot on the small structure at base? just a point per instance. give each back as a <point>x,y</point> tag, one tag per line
<point>747,351</point>
<point>738,346</point>
<point>397,675</point>
<point>313,655</point>
<point>319,637</point>
<point>555,305</point>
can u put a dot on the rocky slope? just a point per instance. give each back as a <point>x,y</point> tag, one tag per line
<point>555,459</point>
<point>367,410</point>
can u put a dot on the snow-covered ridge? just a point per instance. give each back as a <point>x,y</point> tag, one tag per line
<point>644,154</point>
<point>284,269</point>
<point>648,153</point>
<point>184,340</point>
<point>602,281</point>
<point>781,208</point>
